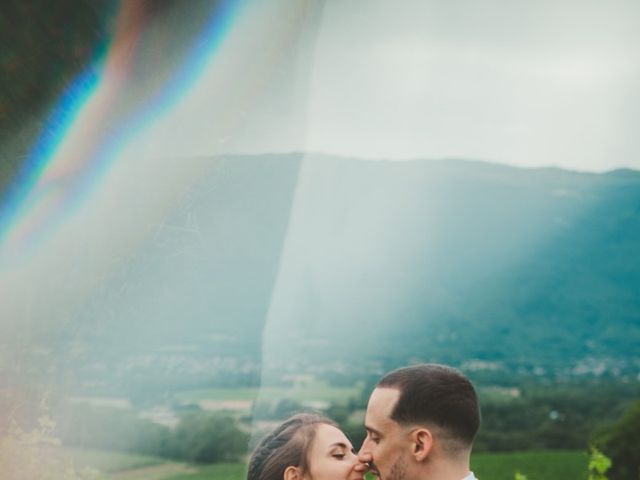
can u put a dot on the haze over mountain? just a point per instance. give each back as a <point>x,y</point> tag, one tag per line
<point>291,259</point>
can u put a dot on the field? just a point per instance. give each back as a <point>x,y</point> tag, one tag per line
<point>538,465</point>
<point>108,461</point>
<point>223,471</point>
<point>314,390</point>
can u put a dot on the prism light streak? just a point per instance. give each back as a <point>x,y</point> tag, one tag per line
<point>30,191</point>
<point>62,169</point>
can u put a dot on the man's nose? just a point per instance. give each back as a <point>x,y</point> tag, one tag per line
<point>364,455</point>
<point>364,459</point>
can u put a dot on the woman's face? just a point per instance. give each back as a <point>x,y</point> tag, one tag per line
<point>332,456</point>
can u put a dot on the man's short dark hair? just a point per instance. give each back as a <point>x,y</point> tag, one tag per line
<point>436,395</point>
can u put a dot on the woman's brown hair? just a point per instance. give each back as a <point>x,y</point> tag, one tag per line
<point>288,445</point>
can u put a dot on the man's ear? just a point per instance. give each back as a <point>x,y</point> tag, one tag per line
<point>292,473</point>
<point>421,443</point>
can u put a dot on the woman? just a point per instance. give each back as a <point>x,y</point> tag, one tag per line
<point>305,447</point>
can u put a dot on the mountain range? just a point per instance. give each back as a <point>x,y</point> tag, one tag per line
<point>308,259</point>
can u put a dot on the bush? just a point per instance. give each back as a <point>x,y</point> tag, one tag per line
<point>621,442</point>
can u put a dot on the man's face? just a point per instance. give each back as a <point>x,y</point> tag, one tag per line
<point>386,444</point>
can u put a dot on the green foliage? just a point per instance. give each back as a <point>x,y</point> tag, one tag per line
<point>35,454</point>
<point>339,413</point>
<point>285,408</point>
<point>598,465</point>
<point>276,410</point>
<point>560,417</point>
<point>111,429</point>
<point>198,437</point>
<point>220,471</point>
<point>355,432</point>
<point>208,438</point>
<point>620,441</point>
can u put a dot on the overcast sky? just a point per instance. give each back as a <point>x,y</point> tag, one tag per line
<point>525,83</point>
<point>528,83</point>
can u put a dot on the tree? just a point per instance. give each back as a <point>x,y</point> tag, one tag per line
<point>209,438</point>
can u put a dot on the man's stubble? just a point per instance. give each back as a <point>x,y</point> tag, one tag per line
<point>398,470</point>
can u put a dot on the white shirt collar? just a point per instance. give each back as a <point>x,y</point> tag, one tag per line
<point>471,476</point>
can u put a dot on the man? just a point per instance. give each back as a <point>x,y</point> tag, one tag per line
<point>421,422</point>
